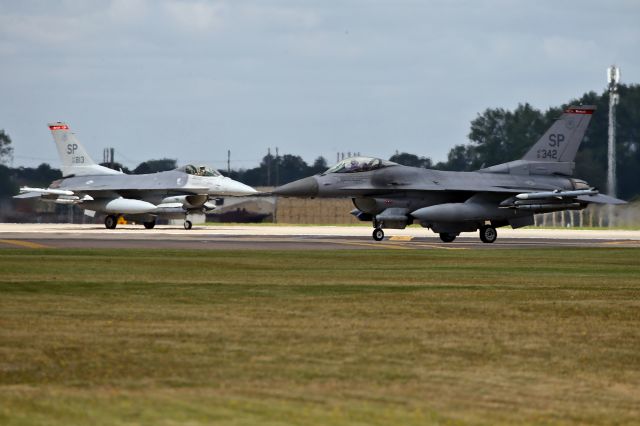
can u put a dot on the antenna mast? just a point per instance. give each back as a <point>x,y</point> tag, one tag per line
<point>613,77</point>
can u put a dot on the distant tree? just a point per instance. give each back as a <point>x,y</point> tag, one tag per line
<point>291,167</point>
<point>591,159</point>
<point>411,160</point>
<point>278,170</point>
<point>461,158</point>
<point>8,186</point>
<point>40,176</point>
<point>154,166</point>
<point>252,177</point>
<point>319,166</point>
<point>498,136</point>
<point>6,150</point>
<point>628,142</point>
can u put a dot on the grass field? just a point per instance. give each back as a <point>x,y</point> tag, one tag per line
<point>320,337</point>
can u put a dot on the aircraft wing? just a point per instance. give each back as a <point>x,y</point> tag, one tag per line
<point>412,187</point>
<point>120,201</point>
<point>58,196</point>
<point>93,188</point>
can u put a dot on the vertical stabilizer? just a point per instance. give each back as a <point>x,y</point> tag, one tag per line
<point>561,142</point>
<point>75,159</point>
<point>555,151</point>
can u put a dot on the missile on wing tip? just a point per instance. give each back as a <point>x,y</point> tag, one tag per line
<point>46,191</point>
<point>556,194</point>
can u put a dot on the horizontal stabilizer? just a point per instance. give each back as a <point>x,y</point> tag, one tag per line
<point>28,195</point>
<point>601,199</point>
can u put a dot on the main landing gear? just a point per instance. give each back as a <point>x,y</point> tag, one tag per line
<point>488,234</point>
<point>447,237</point>
<point>111,221</point>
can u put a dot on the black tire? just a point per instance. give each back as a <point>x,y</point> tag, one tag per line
<point>488,234</point>
<point>110,222</point>
<point>149,225</point>
<point>378,234</point>
<point>447,237</point>
<point>188,225</point>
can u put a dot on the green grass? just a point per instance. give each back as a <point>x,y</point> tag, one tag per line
<point>320,337</point>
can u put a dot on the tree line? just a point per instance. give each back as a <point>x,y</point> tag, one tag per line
<point>496,136</point>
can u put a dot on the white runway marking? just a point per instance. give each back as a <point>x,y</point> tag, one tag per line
<point>70,230</point>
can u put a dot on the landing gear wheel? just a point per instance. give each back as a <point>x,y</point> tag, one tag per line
<point>187,224</point>
<point>149,225</point>
<point>110,222</point>
<point>447,237</point>
<point>378,234</point>
<point>488,234</point>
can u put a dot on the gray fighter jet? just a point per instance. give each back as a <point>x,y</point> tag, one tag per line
<point>394,196</point>
<point>94,188</point>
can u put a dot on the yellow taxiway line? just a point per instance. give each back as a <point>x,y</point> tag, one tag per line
<point>401,238</point>
<point>24,244</point>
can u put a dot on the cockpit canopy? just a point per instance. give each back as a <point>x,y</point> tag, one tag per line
<point>190,169</point>
<point>359,164</point>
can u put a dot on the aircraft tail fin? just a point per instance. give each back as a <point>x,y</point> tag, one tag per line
<point>555,151</point>
<point>561,142</point>
<point>75,159</point>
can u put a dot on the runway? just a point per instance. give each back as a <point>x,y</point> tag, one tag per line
<point>277,237</point>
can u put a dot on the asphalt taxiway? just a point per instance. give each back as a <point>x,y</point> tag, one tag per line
<point>277,237</point>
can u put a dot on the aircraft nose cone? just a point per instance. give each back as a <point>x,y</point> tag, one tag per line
<point>232,188</point>
<point>307,187</point>
<point>242,189</point>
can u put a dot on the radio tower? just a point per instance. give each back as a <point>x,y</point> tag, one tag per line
<point>613,77</point>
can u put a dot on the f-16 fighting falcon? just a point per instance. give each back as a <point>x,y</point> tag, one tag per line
<point>94,188</point>
<point>394,196</point>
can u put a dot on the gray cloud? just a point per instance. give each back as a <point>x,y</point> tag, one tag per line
<point>191,79</point>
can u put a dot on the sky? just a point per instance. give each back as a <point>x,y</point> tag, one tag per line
<point>192,79</point>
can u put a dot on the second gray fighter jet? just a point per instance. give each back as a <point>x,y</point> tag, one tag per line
<point>394,196</point>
